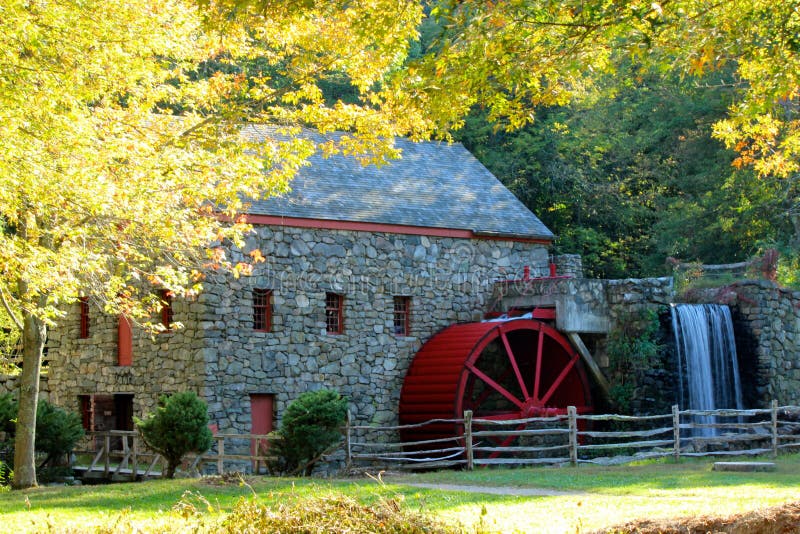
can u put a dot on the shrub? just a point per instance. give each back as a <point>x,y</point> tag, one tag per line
<point>57,431</point>
<point>311,425</point>
<point>8,413</point>
<point>178,426</point>
<point>632,349</point>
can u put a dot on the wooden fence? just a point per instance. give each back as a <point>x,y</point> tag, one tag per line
<point>579,438</point>
<point>123,454</point>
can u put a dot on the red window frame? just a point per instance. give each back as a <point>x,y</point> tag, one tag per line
<point>334,313</point>
<point>262,310</point>
<point>402,315</point>
<point>87,412</point>
<point>83,332</point>
<point>167,313</point>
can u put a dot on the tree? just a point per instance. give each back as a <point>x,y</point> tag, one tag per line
<point>177,427</point>
<point>122,159</point>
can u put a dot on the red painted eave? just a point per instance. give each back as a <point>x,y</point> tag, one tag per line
<point>325,224</point>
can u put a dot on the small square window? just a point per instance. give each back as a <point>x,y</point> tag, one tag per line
<point>334,313</point>
<point>402,316</point>
<point>262,310</point>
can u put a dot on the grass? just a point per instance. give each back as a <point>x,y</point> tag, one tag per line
<point>601,496</point>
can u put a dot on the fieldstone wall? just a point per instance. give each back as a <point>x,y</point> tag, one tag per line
<point>569,265</point>
<point>448,280</point>
<point>162,363</point>
<point>219,355</point>
<point>9,384</point>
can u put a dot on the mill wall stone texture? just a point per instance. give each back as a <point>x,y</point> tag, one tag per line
<point>219,355</point>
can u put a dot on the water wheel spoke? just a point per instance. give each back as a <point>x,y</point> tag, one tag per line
<point>485,394</point>
<point>560,378</point>
<point>538,372</point>
<point>494,385</point>
<point>514,366</point>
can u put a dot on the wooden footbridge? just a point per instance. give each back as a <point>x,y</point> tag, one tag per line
<point>119,455</point>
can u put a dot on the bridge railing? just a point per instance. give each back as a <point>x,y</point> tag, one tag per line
<point>121,453</point>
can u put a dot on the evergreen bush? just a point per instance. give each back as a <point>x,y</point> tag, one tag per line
<point>310,427</point>
<point>57,432</point>
<point>177,427</point>
<point>8,413</point>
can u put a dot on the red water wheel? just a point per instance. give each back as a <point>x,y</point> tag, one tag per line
<point>500,370</point>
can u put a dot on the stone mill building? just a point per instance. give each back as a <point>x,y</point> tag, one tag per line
<point>363,265</point>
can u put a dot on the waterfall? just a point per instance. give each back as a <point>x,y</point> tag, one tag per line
<point>707,365</point>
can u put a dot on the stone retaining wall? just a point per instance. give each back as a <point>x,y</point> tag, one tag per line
<point>767,329</point>
<point>9,384</point>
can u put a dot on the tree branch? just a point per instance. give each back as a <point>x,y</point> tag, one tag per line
<point>14,318</point>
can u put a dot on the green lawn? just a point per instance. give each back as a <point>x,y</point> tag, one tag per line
<point>602,496</point>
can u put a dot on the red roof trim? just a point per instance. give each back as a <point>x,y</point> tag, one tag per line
<point>381,227</point>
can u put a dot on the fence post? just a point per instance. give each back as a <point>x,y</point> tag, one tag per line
<point>774,428</point>
<point>676,431</point>
<point>220,455</point>
<point>348,457</point>
<point>134,459</point>
<point>468,438</point>
<point>107,447</point>
<point>572,415</point>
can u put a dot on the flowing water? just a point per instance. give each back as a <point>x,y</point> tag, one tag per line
<point>707,364</point>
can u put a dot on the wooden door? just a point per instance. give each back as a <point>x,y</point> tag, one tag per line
<point>261,417</point>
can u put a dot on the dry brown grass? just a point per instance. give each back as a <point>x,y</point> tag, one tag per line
<point>783,519</point>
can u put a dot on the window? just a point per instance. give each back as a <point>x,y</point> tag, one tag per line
<point>84,314</point>
<point>262,310</point>
<point>402,316</point>
<point>166,309</point>
<point>334,316</point>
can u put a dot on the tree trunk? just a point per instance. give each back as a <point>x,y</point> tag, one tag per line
<point>33,339</point>
<point>172,466</point>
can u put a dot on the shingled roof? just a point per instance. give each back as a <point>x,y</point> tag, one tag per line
<point>433,185</point>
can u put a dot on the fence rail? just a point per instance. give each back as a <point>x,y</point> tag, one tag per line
<point>123,454</point>
<point>579,438</point>
<point>570,438</point>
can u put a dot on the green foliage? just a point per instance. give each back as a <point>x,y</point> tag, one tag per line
<point>57,430</point>
<point>632,349</point>
<point>8,413</point>
<point>629,174</point>
<point>178,426</point>
<point>311,425</point>
<point>789,270</point>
